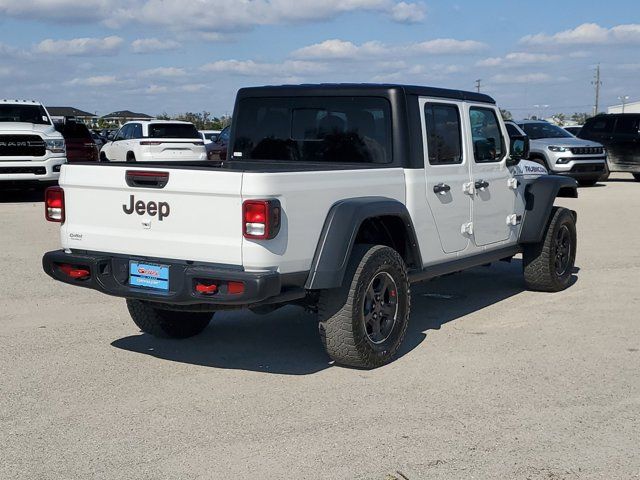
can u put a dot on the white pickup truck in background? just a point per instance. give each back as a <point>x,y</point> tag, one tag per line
<point>31,150</point>
<point>332,197</point>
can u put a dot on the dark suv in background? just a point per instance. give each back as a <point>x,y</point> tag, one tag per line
<point>620,134</point>
<point>81,146</point>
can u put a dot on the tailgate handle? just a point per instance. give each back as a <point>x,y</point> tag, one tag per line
<point>146,179</point>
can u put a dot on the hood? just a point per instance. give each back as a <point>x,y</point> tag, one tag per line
<point>527,168</point>
<point>563,142</point>
<point>29,128</point>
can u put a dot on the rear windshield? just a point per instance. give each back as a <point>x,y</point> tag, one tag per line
<point>74,130</point>
<point>24,113</point>
<point>173,130</point>
<point>314,129</point>
<point>539,130</point>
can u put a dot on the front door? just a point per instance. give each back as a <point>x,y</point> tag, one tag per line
<point>494,198</point>
<point>447,172</point>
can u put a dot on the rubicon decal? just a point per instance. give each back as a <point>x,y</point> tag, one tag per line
<point>161,209</point>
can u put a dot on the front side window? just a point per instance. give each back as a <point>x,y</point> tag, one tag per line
<point>122,133</point>
<point>444,138</point>
<point>136,131</point>
<point>488,144</point>
<point>314,129</point>
<point>24,114</point>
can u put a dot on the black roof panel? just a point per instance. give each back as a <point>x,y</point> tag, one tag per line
<point>360,88</point>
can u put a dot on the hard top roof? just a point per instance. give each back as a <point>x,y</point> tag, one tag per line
<point>330,89</point>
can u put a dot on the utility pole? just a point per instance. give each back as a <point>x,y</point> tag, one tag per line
<point>623,99</point>
<point>598,84</point>
<point>478,84</point>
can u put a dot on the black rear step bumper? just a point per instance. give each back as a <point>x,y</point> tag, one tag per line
<point>110,274</point>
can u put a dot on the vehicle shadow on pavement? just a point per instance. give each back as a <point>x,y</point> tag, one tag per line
<point>17,195</point>
<point>287,341</point>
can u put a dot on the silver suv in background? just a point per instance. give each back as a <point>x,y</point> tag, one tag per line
<point>562,153</point>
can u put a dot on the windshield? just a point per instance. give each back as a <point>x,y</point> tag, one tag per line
<point>173,130</point>
<point>24,114</point>
<point>539,130</point>
<point>314,129</point>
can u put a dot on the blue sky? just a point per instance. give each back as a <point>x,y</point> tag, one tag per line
<point>154,56</point>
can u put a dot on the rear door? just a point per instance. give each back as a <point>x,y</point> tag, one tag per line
<point>191,214</point>
<point>494,200</point>
<point>627,139</point>
<point>446,170</point>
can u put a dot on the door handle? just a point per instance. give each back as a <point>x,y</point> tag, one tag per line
<point>441,188</point>
<point>481,184</point>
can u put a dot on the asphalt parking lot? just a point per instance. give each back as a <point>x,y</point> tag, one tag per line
<point>493,382</point>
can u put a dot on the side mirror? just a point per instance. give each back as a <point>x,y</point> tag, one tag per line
<point>518,149</point>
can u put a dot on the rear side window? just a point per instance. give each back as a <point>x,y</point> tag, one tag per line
<point>173,130</point>
<point>628,125</point>
<point>314,129</point>
<point>488,144</point>
<point>74,130</point>
<point>444,138</point>
<point>599,125</point>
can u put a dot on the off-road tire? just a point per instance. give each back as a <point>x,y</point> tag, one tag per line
<point>541,271</point>
<point>342,310</point>
<point>637,177</point>
<point>167,323</point>
<point>588,183</point>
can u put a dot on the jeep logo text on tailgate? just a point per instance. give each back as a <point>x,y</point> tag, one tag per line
<point>151,208</point>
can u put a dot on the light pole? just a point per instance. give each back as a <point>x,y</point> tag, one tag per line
<point>541,109</point>
<point>623,99</point>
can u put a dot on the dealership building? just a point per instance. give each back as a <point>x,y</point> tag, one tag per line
<point>631,107</point>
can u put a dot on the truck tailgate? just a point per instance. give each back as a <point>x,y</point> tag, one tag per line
<point>196,216</point>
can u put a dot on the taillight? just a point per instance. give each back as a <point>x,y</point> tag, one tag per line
<point>146,142</point>
<point>261,219</point>
<point>54,204</point>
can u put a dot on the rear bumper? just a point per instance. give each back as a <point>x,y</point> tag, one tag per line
<point>110,274</point>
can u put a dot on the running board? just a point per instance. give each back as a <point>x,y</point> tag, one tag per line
<point>454,266</point>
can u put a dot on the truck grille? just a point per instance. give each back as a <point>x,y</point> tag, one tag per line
<point>22,146</point>
<point>587,150</point>
<point>18,170</point>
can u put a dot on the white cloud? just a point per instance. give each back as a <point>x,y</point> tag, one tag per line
<point>192,87</point>
<point>525,78</point>
<point>80,46</point>
<point>588,34</point>
<point>163,72</point>
<point>336,49</point>
<point>447,46</point>
<point>519,58</point>
<point>97,81</point>
<point>404,12</point>
<point>151,45</point>
<point>56,10</point>
<point>260,69</point>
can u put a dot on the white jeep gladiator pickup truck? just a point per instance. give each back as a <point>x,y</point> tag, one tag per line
<point>332,197</point>
<point>31,149</point>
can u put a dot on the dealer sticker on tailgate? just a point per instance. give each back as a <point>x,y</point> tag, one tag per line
<point>149,275</point>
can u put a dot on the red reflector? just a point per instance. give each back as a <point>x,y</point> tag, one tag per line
<point>150,143</point>
<point>206,289</point>
<point>54,204</point>
<point>235,288</point>
<point>77,273</point>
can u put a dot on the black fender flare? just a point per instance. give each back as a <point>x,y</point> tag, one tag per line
<point>540,196</point>
<point>339,234</point>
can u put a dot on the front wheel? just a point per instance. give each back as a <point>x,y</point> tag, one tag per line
<point>637,177</point>
<point>167,323</point>
<point>548,265</point>
<point>363,323</point>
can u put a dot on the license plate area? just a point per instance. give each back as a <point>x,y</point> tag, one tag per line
<point>149,275</point>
